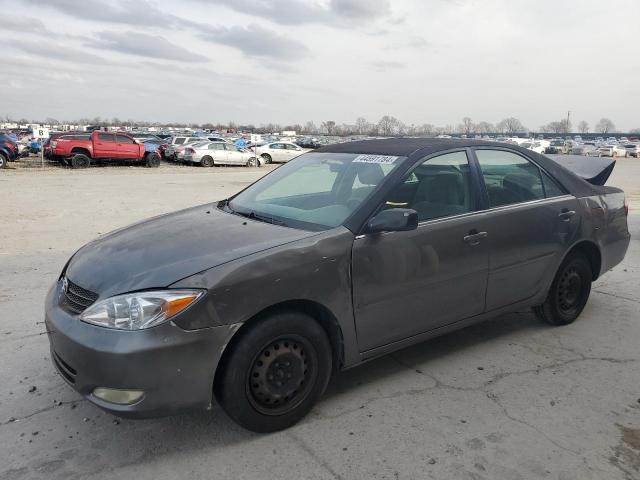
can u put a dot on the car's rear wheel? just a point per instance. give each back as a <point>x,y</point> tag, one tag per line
<point>80,160</point>
<point>153,160</point>
<point>3,161</point>
<point>275,372</point>
<point>207,161</point>
<point>569,291</point>
<point>266,157</point>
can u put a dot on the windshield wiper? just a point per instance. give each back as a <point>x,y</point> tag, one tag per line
<point>261,218</point>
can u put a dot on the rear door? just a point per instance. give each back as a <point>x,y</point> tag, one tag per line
<point>408,283</point>
<point>126,147</point>
<point>218,152</point>
<point>531,220</point>
<point>234,156</point>
<point>104,145</point>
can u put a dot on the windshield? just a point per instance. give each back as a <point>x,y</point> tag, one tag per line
<point>316,191</point>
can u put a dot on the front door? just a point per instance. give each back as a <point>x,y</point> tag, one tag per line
<point>407,283</point>
<point>234,156</point>
<point>126,147</point>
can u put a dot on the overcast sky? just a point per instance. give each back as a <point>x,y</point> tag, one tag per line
<point>289,61</point>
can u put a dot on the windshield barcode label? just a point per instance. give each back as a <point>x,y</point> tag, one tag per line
<point>379,159</point>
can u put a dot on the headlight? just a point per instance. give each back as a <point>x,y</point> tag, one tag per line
<point>139,310</point>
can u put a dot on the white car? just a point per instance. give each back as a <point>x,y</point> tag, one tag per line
<point>279,152</point>
<point>175,149</point>
<point>219,153</point>
<point>612,151</point>
<point>538,146</point>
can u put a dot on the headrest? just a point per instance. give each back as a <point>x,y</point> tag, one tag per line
<point>370,174</point>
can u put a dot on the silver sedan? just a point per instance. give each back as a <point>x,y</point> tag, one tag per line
<point>220,153</point>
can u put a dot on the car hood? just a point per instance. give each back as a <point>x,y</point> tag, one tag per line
<point>160,251</point>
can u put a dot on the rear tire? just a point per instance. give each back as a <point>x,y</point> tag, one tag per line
<point>275,372</point>
<point>207,161</point>
<point>3,161</point>
<point>80,160</point>
<point>569,291</point>
<point>152,160</point>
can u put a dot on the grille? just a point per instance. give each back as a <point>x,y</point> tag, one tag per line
<point>77,299</point>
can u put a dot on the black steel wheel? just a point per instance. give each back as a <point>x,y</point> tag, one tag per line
<point>282,375</point>
<point>569,291</point>
<point>274,372</point>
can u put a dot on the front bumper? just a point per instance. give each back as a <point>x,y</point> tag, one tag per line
<point>174,367</point>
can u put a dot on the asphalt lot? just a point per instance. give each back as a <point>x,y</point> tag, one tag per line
<point>508,399</point>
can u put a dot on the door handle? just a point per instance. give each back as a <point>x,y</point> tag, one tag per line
<point>474,237</point>
<point>566,215</point>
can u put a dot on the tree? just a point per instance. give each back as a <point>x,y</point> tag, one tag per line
<point>560,126</point>
<point>467,126</point>
<point>583,127</point>
<point>310,128</point>
<point>605,126</point>
<point>485,127</point>
<point>389,125</point>
<point>635,131</point>
<point>328,126</point>
<point>511,125</point>
<point>362,126</point>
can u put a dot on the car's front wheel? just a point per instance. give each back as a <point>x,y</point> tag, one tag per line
<point>275,372</point>
<point>266,158</point>
<point>3,161</point>
<point>569,291</point>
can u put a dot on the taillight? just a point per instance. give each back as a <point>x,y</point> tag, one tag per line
<point>626,206</point>
<point>53,144</point>
<point>189,150</point>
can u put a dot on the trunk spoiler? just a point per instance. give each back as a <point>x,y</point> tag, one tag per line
<point>595,170</point>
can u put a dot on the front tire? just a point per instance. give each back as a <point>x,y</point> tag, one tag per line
<point>153,160</point>
<point>569,291</point>
<point>3,161</point>
<point>253,162</point>
<point>267,158</point>
<point>275,372</point>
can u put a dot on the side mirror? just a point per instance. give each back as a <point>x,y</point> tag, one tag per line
<point>393,220</point>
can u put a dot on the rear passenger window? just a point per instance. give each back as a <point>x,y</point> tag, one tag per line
<point>551,188</point>
<point>439,187</point>
<point>105,137</point>
<point>123,139</point>
<point>509,178</point>
<point>179,141</point>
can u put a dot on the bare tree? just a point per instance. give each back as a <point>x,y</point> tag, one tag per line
<point>560,126</point>
<point>485,127</point>
<point>511,125</point>
<point>389,125</point>
<point>467,126</point>
<point>362,126</point>
<point>328,126</point>
<point>583,127</point>
<point>635,131</point>
<point>605,126</point>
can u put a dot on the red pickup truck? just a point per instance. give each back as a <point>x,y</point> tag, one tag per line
<point>79,150</point>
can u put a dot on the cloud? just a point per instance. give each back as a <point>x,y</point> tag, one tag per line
<point>256,41</point>
<point>144,45</point>
<point>24,25</point>
<point>55,51</point>
<point>338,13</point>
<point>384,65</point>
<point>140,13</point>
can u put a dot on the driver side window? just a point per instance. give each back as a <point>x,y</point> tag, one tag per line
<point>438,187</point>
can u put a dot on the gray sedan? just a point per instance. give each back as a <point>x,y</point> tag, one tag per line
<point>333,259</point>
<point>220,153</point>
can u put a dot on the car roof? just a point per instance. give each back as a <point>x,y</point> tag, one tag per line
<point>405,147</point>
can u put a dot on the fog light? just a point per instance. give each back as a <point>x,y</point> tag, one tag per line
<point>121,397</point>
